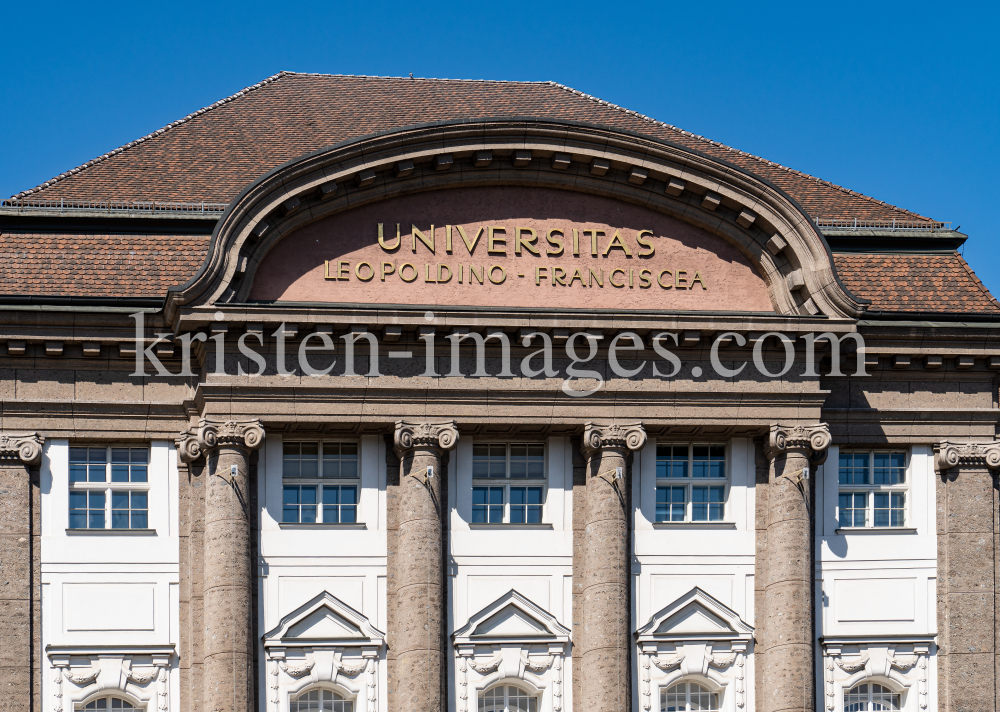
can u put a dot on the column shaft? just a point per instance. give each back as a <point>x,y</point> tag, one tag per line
<point>967,577</point>
<point>606,640</point>
<point>788,676</point>
<point>417,564</point>
<point>19,619</point>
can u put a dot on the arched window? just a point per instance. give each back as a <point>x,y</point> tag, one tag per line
<point>507,698</point>
<point>687,697</point>
<point>869,697</point>
<point>106,704</point>
<point>321,701</point>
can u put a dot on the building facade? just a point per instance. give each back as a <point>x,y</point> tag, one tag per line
<point>367,395</point>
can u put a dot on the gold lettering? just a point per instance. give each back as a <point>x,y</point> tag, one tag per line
<point>388,268</point>
<point>492,240</point>
<point>593,276</point>
<point>555,242</point>
<point>659,280</point>
<point>343,271</point>
<point>678,280</point>
<point>576,242</point>
<point>644,279</point>
<point>503,274</point>
<point>558,275</point>
<point>404,266</point>
<point>326,273</point>
<point>697,278</point>
<point>470,246</point>
<point>644,243</point>
<point>593,240</point>
<point>528,244</point>
<point>447,239</point>
<point>357,271</point>
<point>423,238</point>
<point>577,275</point>
<point>381,239</point>
<point>611,277</point>
<point>631,278</point>
<point>461,273</point>
<point>539,276</point>
<point>481,277</point>
<point>616,243</point>
<point>427,273</point>
<point>441,270</point>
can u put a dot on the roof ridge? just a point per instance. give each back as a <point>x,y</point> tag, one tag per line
<point>130,144</point>
<point>650,119</point>
<point>417,79</point>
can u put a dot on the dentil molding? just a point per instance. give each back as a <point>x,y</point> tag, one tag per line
<point>22,447</point>
<point>598,437</point>
<point>949,454</point>
<point>211,433</point>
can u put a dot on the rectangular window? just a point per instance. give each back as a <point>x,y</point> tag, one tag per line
<point>691,483</point>
<point>325,489</point>
<point>93,503</point>
<point>872,489</point>
<point>495,497</point>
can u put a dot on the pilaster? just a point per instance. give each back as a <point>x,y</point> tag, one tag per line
<point>416,567</point>
<point>607,622</point>
<point>968,660</point>
<point>787,633</point>
<point>229,677</point>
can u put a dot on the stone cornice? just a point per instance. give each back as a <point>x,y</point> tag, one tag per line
<point>811,440</point>
<point>211,433</point>
<point>622,437</point>
<point>949,454</point>
<point>411,435</point>
<point>21,447</point>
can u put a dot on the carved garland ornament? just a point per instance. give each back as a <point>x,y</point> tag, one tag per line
<point>948,455</point>
<point>211,433</point>
<point>597,437</point>
<point>23,447</point>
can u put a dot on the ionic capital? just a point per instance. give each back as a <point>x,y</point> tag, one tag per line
<point>24,448</point>
<point>435,436</point>
<point>622,437</point>
<point>949,454</point>
<point>211,433</point>
<point>809,440</point>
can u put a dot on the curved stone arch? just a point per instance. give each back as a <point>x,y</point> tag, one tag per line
<point>759,219</point>
<point>86,696</point>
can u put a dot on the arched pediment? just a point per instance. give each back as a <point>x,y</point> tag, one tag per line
<point>511,618</point>
<point>694,616</point>
<point>734,218</point>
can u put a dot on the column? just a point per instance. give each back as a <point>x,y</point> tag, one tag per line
<point>607,606</point>
<point>416,568</point>
<point>787,680</point>
<point>229,675</point>
<point>967,576</point>
<point>19,613</point>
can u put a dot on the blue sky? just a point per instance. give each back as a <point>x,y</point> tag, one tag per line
<point>900,101</point>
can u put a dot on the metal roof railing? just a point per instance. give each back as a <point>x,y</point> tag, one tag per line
<point>856,224</point>
<point>111,207</point>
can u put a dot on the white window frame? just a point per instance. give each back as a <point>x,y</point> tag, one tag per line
<point>320,483</point>
<point>701,682</point>
<point>868,703</point>
<point>82,706</point>
<point>690,481</point>
<point>321,688</point>
<point>507,482</point>
<point>107,486</point>
<point>505,684</point>
<point>871,488</point>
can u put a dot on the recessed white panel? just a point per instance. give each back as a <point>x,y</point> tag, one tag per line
<point>875,600</point>
<point>483,590</point>
<point>293,591</point>
<point>667,589</point>
<point>108,606</point>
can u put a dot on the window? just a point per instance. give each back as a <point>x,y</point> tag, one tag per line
<point>108,488</point>
<point>872,489</point>
<point>688,696</point>
<point>507,698</point>
<point>111,703</point>
<point>690,483</point>
<point>321,701</point>
<point>320,483</point>
<point>868,697</point>
<point>508,483</point>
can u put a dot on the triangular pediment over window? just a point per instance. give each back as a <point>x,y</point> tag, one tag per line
<point>511,618</point>
<point>693,616</point>
<point>322,622</point>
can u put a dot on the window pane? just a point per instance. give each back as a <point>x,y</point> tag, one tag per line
<point>854,468</point>
<point>349,495</point>
<point>119,473</point>
<point>671,460</point>
<point>853,508</point>
<point>308,495</point>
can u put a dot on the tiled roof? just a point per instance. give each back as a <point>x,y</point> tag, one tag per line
<point>213,153</point>
<point>915,283</point>
<point>97,265</point>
